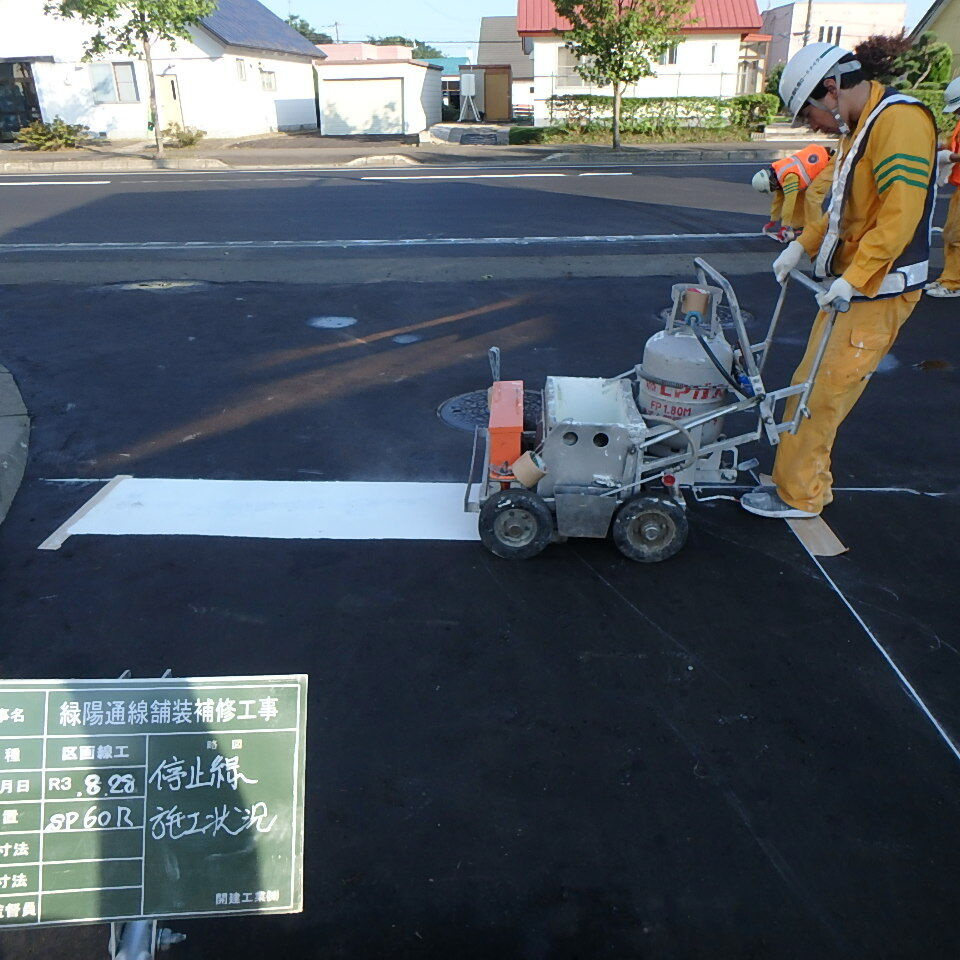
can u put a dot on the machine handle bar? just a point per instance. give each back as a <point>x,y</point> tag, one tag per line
<point>841,306</point>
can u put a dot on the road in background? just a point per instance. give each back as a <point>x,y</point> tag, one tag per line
<point>575,756</point>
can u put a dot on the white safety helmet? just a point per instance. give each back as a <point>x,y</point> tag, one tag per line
<point>951,96</point>
<point>806,69</point>
<point>761,181</point>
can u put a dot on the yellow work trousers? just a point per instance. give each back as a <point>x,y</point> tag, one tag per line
<point>860,340</point>
<point>950,278</point>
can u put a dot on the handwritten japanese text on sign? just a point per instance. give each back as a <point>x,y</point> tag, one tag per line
<point>150,798</point>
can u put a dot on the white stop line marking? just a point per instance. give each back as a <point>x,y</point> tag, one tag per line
<point>273,509</point>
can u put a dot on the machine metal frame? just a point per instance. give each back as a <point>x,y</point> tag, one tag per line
<point>694,465</point>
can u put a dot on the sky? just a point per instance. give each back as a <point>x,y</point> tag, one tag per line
<point>454,28</point>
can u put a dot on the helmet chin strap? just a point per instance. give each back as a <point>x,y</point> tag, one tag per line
<point>838,71</point>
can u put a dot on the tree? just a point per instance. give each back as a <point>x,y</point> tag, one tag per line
<point>880,55</point>
<point>421,49</point>
<point>619,41</point>
<point>132,27</point>
<point>928,60</point>
<point>305,30</point>
<point>772,83</point>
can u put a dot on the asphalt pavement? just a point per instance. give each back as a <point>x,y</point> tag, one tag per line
<point>575,756</point>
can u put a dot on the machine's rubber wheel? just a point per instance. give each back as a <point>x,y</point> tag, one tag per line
<point>515,524</point>
<point>649,529</point>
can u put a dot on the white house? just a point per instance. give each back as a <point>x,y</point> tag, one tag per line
<point>721,55</point>
<point>845,24</point>
<point>369,89</point>
<point>244,71</point>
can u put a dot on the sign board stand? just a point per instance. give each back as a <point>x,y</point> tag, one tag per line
<point>140,939</point>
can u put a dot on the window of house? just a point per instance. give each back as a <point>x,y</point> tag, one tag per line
<point>836,39</point>
<point>669,56</point>
<point>713,53</point>
<point>241,70</point>
<point>114,83</point>
<point>820,37</point>
<point>269,79</point>
<point>567,68</point>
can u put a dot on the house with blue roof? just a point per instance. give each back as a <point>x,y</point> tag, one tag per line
<point>243,71</point>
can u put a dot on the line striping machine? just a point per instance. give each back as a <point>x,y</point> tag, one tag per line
<point>615,455</point>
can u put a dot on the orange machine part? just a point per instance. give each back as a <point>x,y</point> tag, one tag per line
<point>505,425</point>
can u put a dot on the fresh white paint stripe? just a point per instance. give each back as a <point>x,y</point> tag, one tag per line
<point>624,173</point>
<point>51,183</point>
<point>274,509</point>
<point>908,686</point>
<point>350,244</point>
<point>466,176</point>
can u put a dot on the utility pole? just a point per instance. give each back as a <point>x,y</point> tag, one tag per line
<point>806,29</point>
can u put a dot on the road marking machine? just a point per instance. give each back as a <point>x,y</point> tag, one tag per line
<point>616,454</point>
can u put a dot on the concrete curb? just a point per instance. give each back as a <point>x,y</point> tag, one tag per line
<point>14,439</point>
<point>383,160</point>
<point>113,165</point>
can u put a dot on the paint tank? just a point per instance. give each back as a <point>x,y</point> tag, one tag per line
<point>677,379</point>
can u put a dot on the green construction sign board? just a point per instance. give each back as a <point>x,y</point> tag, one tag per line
<point>122,799</point>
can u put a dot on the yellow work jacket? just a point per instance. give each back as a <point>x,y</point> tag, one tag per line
<point>887,197</point>
<point>796,205</point>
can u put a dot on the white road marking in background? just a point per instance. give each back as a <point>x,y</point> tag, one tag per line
<point>347,170</point>
<point>466,176</point>
<point>347,244</point>
<point>273,509</point>
<point>51,183</point>
<point>624,173</point>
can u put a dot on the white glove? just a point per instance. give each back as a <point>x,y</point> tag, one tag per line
<point>840,289</point>
<point>788,260</point>
<point>944,167</point>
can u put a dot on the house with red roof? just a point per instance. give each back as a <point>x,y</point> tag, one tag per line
<point>721,54</point>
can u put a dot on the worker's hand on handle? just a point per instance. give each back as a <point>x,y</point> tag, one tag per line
<point>770,228</point>
<point>786,234</point>
<point>787,261</point>
<point>838,295</point>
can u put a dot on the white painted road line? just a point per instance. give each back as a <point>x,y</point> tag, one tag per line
<point>51,183</point>
<point>907,685</point>
<point>467,176</point>
<point>153,245</point>
<point>278,509</point>
<point>623,173</point>
<point>339,169</point>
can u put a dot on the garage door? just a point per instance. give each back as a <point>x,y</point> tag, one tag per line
<point>362,106</point>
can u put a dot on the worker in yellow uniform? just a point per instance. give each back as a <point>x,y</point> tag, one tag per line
<point>872,246</point>
<point>948,283</point>
<point>798,184</point>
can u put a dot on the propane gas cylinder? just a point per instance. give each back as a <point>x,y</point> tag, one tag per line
<point>677,378</point>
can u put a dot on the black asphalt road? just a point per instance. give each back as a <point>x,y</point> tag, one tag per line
<point>367,204</point>
<point>571,757</point>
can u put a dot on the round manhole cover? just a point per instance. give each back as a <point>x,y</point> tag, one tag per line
<point>467,411</point>
<point>724,315</point>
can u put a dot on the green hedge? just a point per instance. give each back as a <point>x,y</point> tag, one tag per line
<point>663,115</point>
<point>934,100</point>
